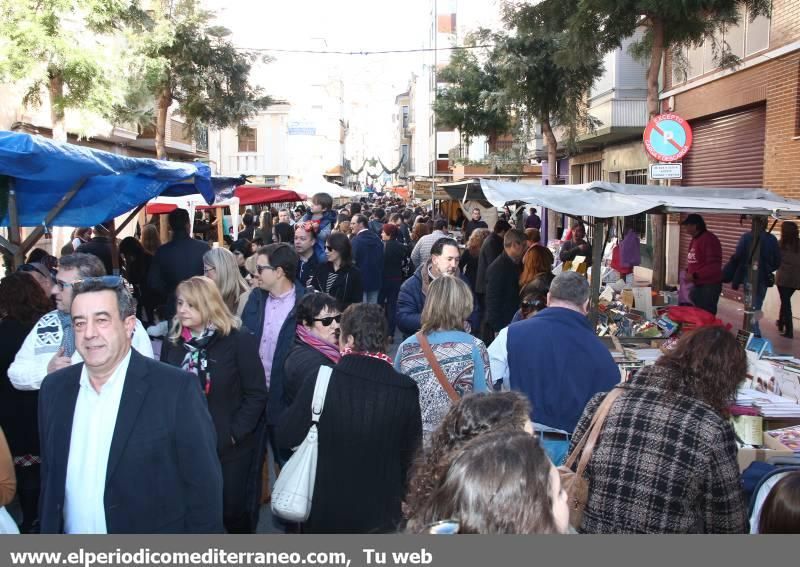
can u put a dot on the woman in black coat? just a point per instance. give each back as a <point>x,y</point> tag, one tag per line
<point>205,341</point>
<point>338,276</point>
<point>369,431</point>
<point>22,304</point>
<point>316,342</point>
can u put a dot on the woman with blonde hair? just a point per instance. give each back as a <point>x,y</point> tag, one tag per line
<point>151,240</point>
<point>205,340</point>
<point>221,267</point>
<point>445,361</point>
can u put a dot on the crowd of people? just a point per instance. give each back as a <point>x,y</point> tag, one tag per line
<point>497,376</point>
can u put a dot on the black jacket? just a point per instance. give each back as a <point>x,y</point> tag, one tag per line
<point>347,288</point>
<point>253,321</point>
<point>237,396</point>
<point>368,256</point>
<point>306,270</point>
<point>99,246</point>
<point>469,266</point>
<point>163,473</point>
<point>491,248</point>
<point>369,432</point>
<point>393,254</point>
<point>502,291</point>
<point>471,225</point>
<point>176,261</point>
<point>301,365</point>
<point>17,408</point>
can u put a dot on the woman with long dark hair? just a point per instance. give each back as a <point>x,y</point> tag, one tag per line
<point>788,276</point>
<point>666,459</point>
<point>205,341</point>
<point>338,276</point>
<point>499,483</point>
<point>472,416</point>
<point>394,253</point>
<point>22,304</point>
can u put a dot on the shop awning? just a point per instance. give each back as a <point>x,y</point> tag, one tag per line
<point>97,185</point>
<point>255,195</point>
<point>605,200</point>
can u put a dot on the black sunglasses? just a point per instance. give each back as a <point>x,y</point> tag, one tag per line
<point>528,306</point>
<point>326,321</point>
<point>260,269</point>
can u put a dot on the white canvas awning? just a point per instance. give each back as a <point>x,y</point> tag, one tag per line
<point>604,200</point>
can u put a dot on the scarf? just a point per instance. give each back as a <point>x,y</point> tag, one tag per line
<point>379,355</point>
<point>323,347</point>
<point>68,333</point>
<point>196,361</point>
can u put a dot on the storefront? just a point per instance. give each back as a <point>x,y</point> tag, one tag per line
<point>727,151</point>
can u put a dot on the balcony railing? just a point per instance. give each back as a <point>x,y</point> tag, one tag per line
<point>628,113</point>
<point>245,163</point>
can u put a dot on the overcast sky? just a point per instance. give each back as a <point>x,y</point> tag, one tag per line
<point>338,25</point>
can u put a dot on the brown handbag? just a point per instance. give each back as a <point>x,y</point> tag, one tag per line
<point>573,482</point>
<point>437,368</point>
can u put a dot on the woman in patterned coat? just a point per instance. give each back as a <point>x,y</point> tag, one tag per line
<point>462,357</point>
<point>665,461</point>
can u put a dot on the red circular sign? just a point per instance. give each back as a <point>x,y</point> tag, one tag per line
<point>668,137</point>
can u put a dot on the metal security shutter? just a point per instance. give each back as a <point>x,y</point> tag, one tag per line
<point>727,151</point>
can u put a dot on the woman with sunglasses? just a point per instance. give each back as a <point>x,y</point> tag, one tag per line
<point>205,340</point>
<point>221,266</point>
<point>316,342</point>
<point>338,276</point>
<point>533,297</point>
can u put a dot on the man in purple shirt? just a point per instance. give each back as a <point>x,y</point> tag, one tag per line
<point>270,315</point>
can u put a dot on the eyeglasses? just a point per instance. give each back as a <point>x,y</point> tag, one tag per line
<point>62,284</point>
<point>326,321</point>
<point>260,269</point>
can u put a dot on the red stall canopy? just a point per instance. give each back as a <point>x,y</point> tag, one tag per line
<point>260,195</point>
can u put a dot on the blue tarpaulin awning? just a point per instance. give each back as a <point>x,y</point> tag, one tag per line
<point>43,172</point>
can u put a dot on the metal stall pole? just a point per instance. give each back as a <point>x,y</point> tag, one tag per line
<point>759,226</point>
<point>598,245</point>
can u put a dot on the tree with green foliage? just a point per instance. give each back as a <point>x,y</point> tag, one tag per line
<point>534,82</point>
<point>65,48</point>
<point>467,102</point>
<point>186,59</point>
<point>601,25</point>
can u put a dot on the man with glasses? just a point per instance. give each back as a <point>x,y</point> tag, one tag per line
<point>128,445</point>
<point>270,315</point>
<point>50,346</point>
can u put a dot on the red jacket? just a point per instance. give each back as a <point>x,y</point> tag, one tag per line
<point>705,259</point>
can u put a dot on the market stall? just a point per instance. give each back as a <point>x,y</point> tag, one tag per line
<point>44,183</point>
<point>603,201</point>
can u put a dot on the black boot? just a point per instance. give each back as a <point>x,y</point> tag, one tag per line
<point>788,330</point>
<point>779,324</point>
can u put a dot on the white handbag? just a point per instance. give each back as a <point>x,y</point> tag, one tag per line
<point>294,488</point>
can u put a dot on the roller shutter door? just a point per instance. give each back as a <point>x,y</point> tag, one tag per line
<point>727,151</point>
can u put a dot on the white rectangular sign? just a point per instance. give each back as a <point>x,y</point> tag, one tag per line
<point>666,171</point>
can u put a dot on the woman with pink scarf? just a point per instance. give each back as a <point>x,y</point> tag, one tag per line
<point>316,341</point>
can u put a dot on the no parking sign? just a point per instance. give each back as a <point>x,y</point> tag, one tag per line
<point>668,137</point>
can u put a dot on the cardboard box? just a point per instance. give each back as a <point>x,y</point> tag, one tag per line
<point>771,448</point>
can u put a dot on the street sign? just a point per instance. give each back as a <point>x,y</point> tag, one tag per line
<point>666,171</point>
<point>667,137</point>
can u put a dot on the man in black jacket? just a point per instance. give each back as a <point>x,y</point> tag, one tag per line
<point>176,261</point>
<point>502,286</point>
<point>100,246</point>
<point>475,222</point>
<point>127,443</point>
<point>270,315</point>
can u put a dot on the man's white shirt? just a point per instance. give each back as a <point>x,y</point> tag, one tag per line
<point>93,425</point>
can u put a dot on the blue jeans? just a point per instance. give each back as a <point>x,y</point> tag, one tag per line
<point>556,449</point>
<point>758,303</point>
<point>371,296</point>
